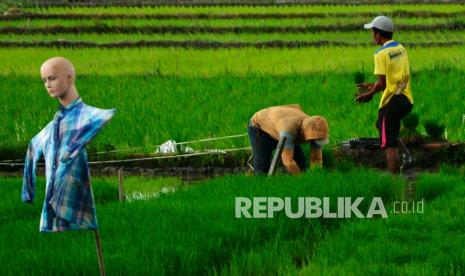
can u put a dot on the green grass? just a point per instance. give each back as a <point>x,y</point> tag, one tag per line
<point>191,231</point>
<point>405,244</point>
<point>348,37</point>
<point>105,192</point>
<point>165,102</point>
<point>186,94</point>
<point>230,62</point>
<point>39,23</point>
<point>235,10</point>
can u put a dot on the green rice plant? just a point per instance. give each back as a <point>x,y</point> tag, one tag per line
<point>431,186</point>
<point>410,243</point>
<point>434,129</point>
<point>165,102</point>
<point>189,94</point>
<point>326,21</point>
<point>409,133</point>
<point>358,37</point>
<point>251,9</point>
<point>252,15</point>
<point>191,231</point>
<point>161,29</point>
<point>411,121</point>
<point>208,63</point>
<point>359,77</point>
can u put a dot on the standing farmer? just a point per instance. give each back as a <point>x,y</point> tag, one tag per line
<point>392,70</point>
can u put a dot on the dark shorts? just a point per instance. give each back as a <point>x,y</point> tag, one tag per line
<point>389,118</point>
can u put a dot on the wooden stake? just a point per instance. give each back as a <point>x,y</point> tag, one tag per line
<point>99,253</point>
<point>277,154</point>
<point>120,185</point>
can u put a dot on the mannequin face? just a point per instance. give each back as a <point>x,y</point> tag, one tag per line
<point>57,82</point>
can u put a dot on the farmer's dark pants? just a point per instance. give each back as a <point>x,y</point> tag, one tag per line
<point>389,118</point>
<point>263,146</point>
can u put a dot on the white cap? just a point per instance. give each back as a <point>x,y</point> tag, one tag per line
<point>382,23</point>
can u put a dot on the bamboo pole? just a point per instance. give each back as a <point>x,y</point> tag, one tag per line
<point>98,246</point>
<point>120,185</point>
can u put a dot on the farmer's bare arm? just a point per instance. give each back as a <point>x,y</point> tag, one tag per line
<point>288,160</point>
<point>316,158</point>
<point>365,85</point>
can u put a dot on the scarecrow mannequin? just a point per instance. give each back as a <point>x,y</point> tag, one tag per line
<point>69,202</point>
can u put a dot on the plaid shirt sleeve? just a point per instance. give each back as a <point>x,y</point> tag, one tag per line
<point>87,133</point>
<point>34,152</point>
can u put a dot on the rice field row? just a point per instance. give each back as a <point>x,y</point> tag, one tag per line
<point>408,244</point>
<point>216,29</point>
<point>189,232</point>
<point>193,230</point>
<point>361,37</point>
<point>206,68</point>
<point>331,21</point>
<point>164,93</point>
<point>21,14</point>
<point>445,8</point>
<point>222,3</point>
<point>229,27</point>
<point>172,107</point>
<point>221,62</point>
<point>198,44</point>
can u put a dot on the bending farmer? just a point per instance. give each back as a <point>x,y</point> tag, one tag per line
<point>269,124</point>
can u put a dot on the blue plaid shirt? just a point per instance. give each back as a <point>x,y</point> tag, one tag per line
<point>69,202</point>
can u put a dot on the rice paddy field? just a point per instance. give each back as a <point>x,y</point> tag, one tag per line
<point>193,72</point>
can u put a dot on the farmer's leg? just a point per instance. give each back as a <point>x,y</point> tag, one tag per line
<point>262,147</point>
<point>299,157</point>
<point>393,159</point>
<point>397,108</point>
<point>316,155</point>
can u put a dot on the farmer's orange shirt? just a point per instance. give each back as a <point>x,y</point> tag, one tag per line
<point>280,119</point>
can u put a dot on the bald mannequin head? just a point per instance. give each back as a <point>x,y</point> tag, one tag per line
<point>59,76</point>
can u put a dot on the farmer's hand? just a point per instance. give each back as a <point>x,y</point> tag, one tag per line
<point>364,97</point>
<point>366,86</point>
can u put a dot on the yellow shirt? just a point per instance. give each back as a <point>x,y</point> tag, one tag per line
<point>391,60</point>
